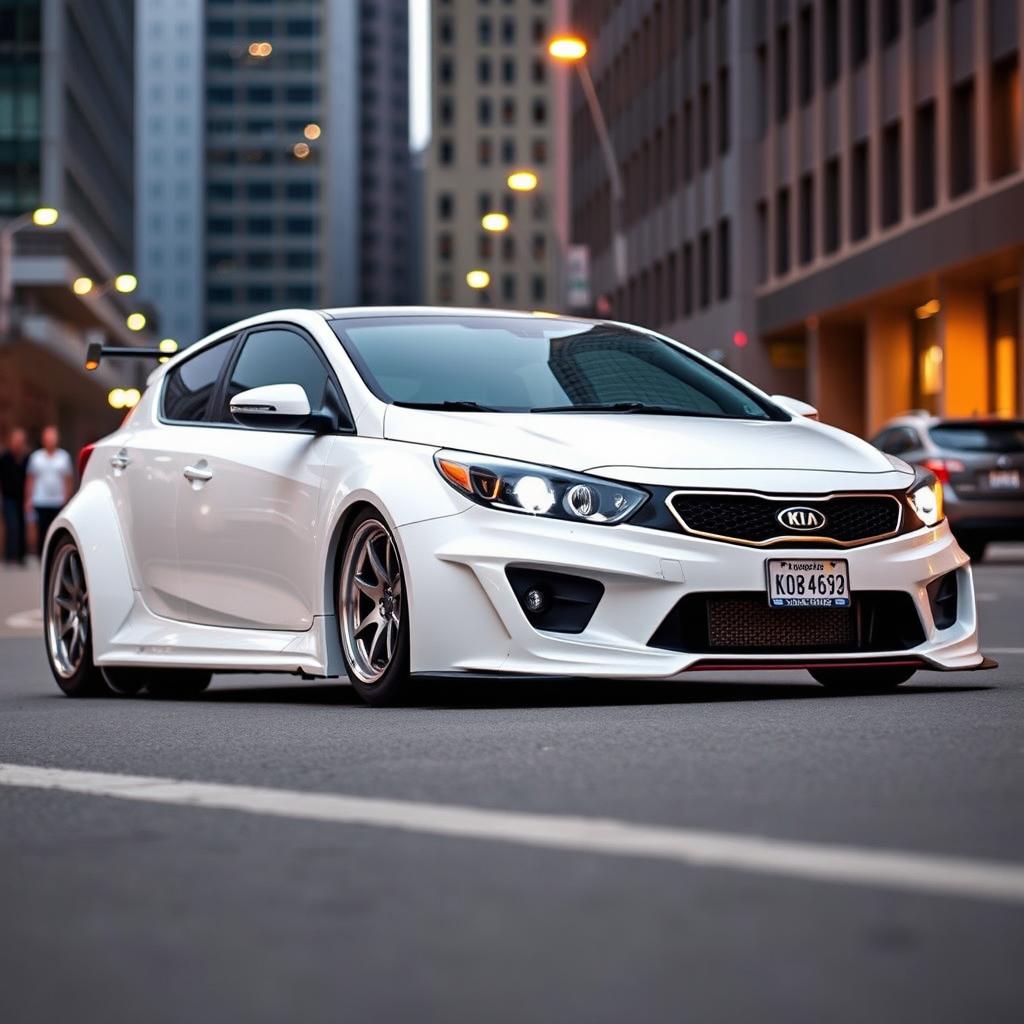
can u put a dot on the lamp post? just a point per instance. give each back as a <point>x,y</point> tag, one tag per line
<point>571,49</point>
<point>42,217</point>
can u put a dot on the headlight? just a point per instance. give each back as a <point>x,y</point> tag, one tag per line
<point>537,490</point>
<point>925,497</point>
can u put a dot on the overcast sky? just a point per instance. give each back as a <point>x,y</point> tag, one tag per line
<point>419,72</point>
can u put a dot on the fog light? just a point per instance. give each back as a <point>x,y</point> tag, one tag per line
<point>535,600</point>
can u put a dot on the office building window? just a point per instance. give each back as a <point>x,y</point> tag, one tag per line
<point>806,48</point>
<point>830,41</point>
<point>539,288</point>
<point>539,71</point>
<point>445,246</point>
<point>782,73</point>
<point>484,110</point>
<point>924,157</point>
<point>445,206</point>
<point>508,151</point>
<point>540,111</point>
<point>806,218</point>
<point>724,260</point>
<point>508,287</point>
<point>687,140</point>
<point>446,152</point>
<point>832,206</point>
<point>508,248</point>
<point>508,31</point>
<point>724,133</point>
<point>961,138</point>
<point>484,31</point>
<point>782,229</point>
<point>446,70</point>
<point>859,30</point>
<point>892,175</point>
<point>687,287</point>
<point>446,111</point>
<point>860,192</point>
<point>704,126</point>
<point>483,203</point>
<point>483,70</point>
<point>539,151</point>
<point>539,248</point>
<point>762,242</point>
<point>761,99</point>
<point>508,71</point>
<point>484,152</point>
<point>1005,117</point>
<point>889,21</point>
<point>485,246</point>
<point>704,270</point>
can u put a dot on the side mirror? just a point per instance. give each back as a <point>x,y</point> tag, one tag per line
<point>795,406</point>
<point>281,406</point>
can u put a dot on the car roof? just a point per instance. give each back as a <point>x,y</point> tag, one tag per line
<point>921,419</point>
<point>347,312</point>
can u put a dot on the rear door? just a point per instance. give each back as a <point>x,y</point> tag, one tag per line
<point>248,518</point>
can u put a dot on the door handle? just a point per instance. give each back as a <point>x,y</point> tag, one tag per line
<point>198,474</point>
<point>120,460</point>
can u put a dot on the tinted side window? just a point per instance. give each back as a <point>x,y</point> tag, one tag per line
<point>277,357</point>
<point>898,440</point>
<point>189,386</point>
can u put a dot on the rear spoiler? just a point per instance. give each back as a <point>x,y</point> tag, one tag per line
<point>97,350</point>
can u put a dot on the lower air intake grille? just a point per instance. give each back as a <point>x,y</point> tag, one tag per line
<point>744,623</point>
<point>751,622</point>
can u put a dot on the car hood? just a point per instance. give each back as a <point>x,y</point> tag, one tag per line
<point>654,449</point>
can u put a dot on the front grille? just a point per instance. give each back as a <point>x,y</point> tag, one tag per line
<point>744,623</point>
<point>752,519</point>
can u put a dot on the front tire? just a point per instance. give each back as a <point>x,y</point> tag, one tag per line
<point>863,680</point>
<point>176,683</point>
<point>373,615</point>
<point>67,623</point>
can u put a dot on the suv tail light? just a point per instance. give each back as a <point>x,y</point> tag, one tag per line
<point>83,459</point>
<point>943,467</point>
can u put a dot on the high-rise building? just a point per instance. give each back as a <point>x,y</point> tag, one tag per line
<point>498,106</point>
<point>169,160</point>
<point>302,187</point>
<point>66,138</point>
<point>828,194</point>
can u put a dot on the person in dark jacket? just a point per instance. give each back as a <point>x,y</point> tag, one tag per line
<point>13,463</point>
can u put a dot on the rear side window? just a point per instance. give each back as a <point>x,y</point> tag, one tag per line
<point>277,356</point>
<point>897,440</point>
<point>189,386</point>
<point>1004,438</point>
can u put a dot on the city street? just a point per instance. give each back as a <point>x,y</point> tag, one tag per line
<point>270,907</point>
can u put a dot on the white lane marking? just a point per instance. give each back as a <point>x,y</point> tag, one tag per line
<point>831,863</point>
<point>32,619</point>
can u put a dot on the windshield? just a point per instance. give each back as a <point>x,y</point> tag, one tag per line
<point>538,364</point>
<point>980,437</point>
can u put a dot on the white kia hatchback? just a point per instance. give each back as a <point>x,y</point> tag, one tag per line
<point>387,494</point>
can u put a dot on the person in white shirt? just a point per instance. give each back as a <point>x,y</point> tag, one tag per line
<point>49,483</point>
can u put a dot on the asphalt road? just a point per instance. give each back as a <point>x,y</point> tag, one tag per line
<point>116,909</point>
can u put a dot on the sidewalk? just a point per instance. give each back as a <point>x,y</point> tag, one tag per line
<point>20,614</point>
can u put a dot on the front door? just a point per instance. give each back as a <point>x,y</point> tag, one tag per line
<point>249,500</point>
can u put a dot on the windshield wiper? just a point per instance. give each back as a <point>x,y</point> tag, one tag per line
<point>639,407</point>
<point>447,406</point>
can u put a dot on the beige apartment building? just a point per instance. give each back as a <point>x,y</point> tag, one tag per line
<point>827,194</point>
<point>498,106</point>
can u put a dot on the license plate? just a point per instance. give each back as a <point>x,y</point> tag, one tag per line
<point>1004,479</point>
<point>808,583</point>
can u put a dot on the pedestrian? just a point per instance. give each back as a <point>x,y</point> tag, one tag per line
<point>49,483</point>
<point>12,487</point>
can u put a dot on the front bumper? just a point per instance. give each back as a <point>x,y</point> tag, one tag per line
<point>465,617</point>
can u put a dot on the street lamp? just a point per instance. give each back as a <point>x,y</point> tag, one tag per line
<point>496,222</point>
<point>41,217</point>
<point>123,283</point>
<point>135,321</point>
<point>570,49</point>
<point>478,279</point>
<point>522,181</point>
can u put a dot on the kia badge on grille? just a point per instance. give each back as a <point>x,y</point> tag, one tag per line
<point>801,518</point>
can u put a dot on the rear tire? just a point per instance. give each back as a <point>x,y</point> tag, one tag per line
<point>863,680</point>
<point>67,623</point>
<point>373,614</point>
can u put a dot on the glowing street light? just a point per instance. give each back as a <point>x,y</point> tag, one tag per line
<point>301,150</point>
<point>478,279</point>
<point>522,181</point>
<point>82,285</point>
<point>312,131</point>
<point>45,217</point>
<point>567,48</point>
<point>168,346</point>
<point>260,49</point>
<point>494,222</point>
<point>123,398</point>
<point>126,283</point>
<point>135,321</point>
<point>571,49</point>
